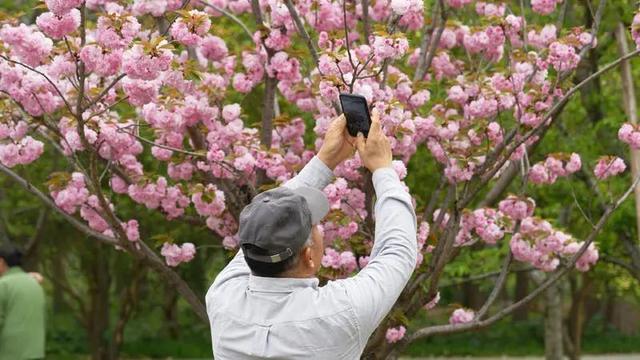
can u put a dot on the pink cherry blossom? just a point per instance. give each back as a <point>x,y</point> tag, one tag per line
<point>213,48</point>
<point>59,26</point>
<point>138,65</point>
<point>461,316</point>
<point>24,152</point>
<point>630,134</point>
<point>563,57</point>
<point>190,29</point>
<point>116,31</point>
<point>230,242</point>
<point>209,202</point>
<point>544,7</point>
<point>62,7</point>
<point>29,46</point>
<point>396,334</point>
<point>154,7</point>
<point>608,166</point>
<point>174,255</point>
<point>458,3</point>
<point>433,302</point>
<point>131,230</point>
<point>363,261</point>
<point>103,63</point>
<point>517,208</point>
<point>635,29</point>
<point>72,195</point>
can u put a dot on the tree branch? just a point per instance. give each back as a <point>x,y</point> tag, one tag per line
<point>45,199</point>
<point>302,31</point>
<point>230,16</point>
<point>477,323</point>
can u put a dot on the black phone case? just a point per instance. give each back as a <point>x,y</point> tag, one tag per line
<point>358,121</point>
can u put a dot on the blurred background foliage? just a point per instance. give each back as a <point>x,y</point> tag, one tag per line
<point>96,292</point>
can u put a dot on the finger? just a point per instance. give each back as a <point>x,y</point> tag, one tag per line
<point>375,123</point>
<point>339,122</point>
<point>347,136</point>
<point>360,143</point>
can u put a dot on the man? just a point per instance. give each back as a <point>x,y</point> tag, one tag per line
<point>266,304</point>
<point>22,309</point>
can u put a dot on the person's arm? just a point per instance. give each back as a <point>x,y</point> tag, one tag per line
<point>376,288</point>
<point>315,174</point>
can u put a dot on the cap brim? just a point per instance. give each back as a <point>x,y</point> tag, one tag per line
<point>317,202</point>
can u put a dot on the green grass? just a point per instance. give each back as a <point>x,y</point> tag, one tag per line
<point>504,338</point>
<point>520,339</point>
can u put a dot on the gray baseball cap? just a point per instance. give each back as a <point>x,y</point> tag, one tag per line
<point>279,221</point>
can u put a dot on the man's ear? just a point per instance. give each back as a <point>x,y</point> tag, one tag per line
<point>307,257</point>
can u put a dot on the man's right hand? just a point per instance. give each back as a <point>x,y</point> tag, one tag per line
<point>375,151</point>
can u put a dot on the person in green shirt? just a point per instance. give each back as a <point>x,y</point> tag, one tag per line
<point>22,308</point>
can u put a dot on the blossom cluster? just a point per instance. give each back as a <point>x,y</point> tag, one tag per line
<point>630,134</point>
<point>342,261</point>
<point>175,255</point>
<point>73,195</point>
<point>486,223</point>
<point>461,316</point>
<point>516,207</point>
<point>539,244</point>
<point>608,166</point>
<point>635,29</point>
<point>395,334</point>
<point>17,148</point>
<point>555,166</point>
<point>544,7</point>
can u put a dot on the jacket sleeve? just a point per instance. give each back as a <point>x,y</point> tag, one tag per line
<point>375,289</point>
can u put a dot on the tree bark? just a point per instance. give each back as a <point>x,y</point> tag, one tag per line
<point>553,323</point>
<point>170,311</point>
<point>98,324</point>
<point>521,290</point>
<point>577,316</point>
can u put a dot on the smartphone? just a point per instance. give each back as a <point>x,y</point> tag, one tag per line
<point>356,111</point>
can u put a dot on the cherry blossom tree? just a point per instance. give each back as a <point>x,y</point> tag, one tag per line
<point>145,103</point>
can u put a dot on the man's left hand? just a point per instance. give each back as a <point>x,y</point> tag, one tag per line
<point>37,276</point>
<point>338,144</point>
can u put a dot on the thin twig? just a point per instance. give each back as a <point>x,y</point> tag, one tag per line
<point>230,16</point>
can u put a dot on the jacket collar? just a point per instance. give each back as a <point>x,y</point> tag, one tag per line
<point>14,270</point>
<point>280,285</point>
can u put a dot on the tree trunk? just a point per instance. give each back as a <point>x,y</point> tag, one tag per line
<point>577,316</point>
<point>522,289</point>
<point>128,302</point>
<point>553,323</point>
<point>99,284</point>
<point>630,107</point>
<point>170,311</point>
<point>471,293</point>
<point>57,268</point>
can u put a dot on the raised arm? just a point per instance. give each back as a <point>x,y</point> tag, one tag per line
<point>377,287</point>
